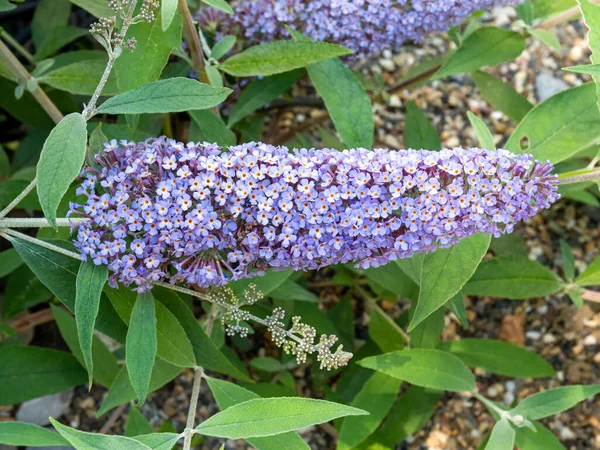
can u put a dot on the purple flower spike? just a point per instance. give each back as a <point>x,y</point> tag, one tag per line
<point>199,214</point>
<point>365,26</point>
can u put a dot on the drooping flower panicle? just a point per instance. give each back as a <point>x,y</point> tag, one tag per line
<point>365,26</point>
<point>199,214</point>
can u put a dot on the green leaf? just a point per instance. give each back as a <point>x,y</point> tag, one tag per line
<point>80,78</point>
<point>173,344</point>
<point>222,47</point>
<point>60,162</point>
<point>279,57</point>
<point>266,283</point>
<point>484,136</point>
<point>591,17</point>
<point>487,46</point>
<point>445,271</point>
<point>502,437</point>
<point>121,390</point>
<point>346,100</point>
<point>140,349</point>
<point>419,132</point>
<point>168,8</point>
<point>207,126</point>
<point>427,333</point>
<point>568,260</point>
<point>428,368</point>
<point>376,397</point>
<point>591,275</point>
<point>457,305</point>
<point>159,441</point>
<point>207,354</point>
<point>23,291</point>
<point>501,95</point>
<point>261,91</point>
<point>95,441</point>
<point>560,126</point>
<point>499,357</point>
<point>586,69</point>
<point>105,363</point>
<point>49,15</point>
<point>96,145</point>
<point>9,261</point>
<point>291,290</point>
<point>411,412</point>
<point>266,364</point>
<point>136,423</point>
<point>384,331</point>
<point>27,434</point>
<point>392,278</point>
<point>5,5</point>
<point>152,51</point>
<point>546,36</point>
<point>269,416</point>
<point>228,394</point>
<point>58,273</point>
<point>54,372</point>
<point>541,439</point>
<point>165,96</point>
<point>554,401</point>
<point>512,277</point>
<point>90,281</point>
<point>57,38</point>
<point>98,8</point>
<point>221,5</point>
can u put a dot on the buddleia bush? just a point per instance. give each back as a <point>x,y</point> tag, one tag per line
<point>152,204</point>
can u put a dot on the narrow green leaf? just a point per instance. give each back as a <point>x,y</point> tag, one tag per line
<point>173,344</point>
<point>560,126</point>
<point>221,48</point>
<point>266,283</point>
<point>457,305</point>
<point>105,363</point>
<point>165,96</point>
<point>95,441</point>
<point>554,401</point>
<point>207,126</point>
<point>57,38</point>
<point>261,91</point>
<point>80,78</point>
<point>168,8</point>
<point>384,331</point>
<point>428,368</point>
<point>23,290</point>
<point>376,397</point>
<point>501,95</point>
<point>54,372</point>
<point>96,145</point>
<point>136,423</point>
<point>228,394</point>
<point>499,357</point>
<point>586,69</point>
<point>98,8</point>
<point>121,391</point>
<point>502,437</point>
<point>221,5</point>
<point>60,162</point>
<point>140,349</point>
<point>484,136</point>
<point>49,15</point>
<point>269,416</point>
<point>591,17</point>
<point>419,132</point>
<point>445,271</point>
<point>392,278</point>
<point>90,282</point>
<point>547,37</point>
<point>346,100</point>
<point>9,261</point>
<point>568,261</point>
<point>591,275</point>
<point>541,439</point>
<point>486,46</point>
<point>279,57</point>
<point>512,277</point>
<point>291,290</point>
<point>427,333</point>
<point>28,434</point>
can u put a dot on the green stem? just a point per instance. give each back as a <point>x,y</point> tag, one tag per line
<point>189,428</point>
<point>18,47</point>
<point>580,176</point>
<point>40,223</point>
<point>7,233</point>
<point>18,199</point>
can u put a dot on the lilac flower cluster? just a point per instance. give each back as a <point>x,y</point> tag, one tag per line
<point>199,214</point>
<point>365,26</point>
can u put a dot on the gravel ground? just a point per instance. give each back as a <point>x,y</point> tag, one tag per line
<point>552,327</point>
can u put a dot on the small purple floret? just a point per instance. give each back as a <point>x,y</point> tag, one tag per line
<point>161,210</point>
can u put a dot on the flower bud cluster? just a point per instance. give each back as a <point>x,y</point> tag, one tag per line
<point>148,10</point>
<point>365,26</point>
<point>162,210</point>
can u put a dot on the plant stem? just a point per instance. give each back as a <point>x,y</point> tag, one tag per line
<point>591,296</point>
<point>581,177</point>
<point>7,233</point>
<point>18,47</point>
<point>40,223</point>
<point>18,199</point>
<point>193,40</point>
<point>564,16</point>
<point>189,428</point>
<point>21,73</point>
